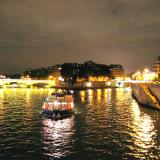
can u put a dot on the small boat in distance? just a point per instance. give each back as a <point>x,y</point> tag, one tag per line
<point>58,105</point>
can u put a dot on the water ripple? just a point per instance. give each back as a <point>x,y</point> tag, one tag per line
<point>108,124</point>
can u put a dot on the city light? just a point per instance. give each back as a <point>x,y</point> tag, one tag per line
<point>146,75</point>
<point>88,84</point>
<point>50,77</point>
<point>97,78</point>
<point>146,70</point>
<point>149,76</point>
<point>2,77</point>
<point>108,83</point>
<point>61,79</point>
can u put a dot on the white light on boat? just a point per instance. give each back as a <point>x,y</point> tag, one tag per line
<point>56,103</point>
<point>72,105</point>
<point>71,91</point>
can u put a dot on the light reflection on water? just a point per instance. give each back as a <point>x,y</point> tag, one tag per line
<point>1,105</point>
<point>144,131</point>
<point>57,136</point>
<point>108,124</point>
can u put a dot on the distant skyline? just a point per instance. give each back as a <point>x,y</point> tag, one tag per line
<point>41,33</point>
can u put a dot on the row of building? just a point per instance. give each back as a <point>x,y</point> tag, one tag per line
<point>157,67</point>
<point>147,74</point>
<point>88,71</point>
<point>116,72</point>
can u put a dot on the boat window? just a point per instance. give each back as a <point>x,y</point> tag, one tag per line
<point>51,99</point>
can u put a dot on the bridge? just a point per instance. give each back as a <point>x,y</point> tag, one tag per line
<point>13,83</point>
<point>27,83</point>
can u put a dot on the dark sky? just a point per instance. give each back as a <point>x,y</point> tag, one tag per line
<point>38,33</point>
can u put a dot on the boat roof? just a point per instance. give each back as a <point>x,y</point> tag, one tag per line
<point>62,93</point>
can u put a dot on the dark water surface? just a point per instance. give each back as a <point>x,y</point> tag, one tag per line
<point>108,124</point>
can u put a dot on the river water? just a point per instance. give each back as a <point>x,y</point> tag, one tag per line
<point>107,124</point>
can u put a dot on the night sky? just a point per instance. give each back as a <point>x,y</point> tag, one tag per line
<point>39,33</point>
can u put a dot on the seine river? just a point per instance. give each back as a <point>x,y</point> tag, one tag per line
<point>108,124</point>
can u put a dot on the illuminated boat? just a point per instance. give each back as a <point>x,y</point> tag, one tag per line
<point>58,105</point>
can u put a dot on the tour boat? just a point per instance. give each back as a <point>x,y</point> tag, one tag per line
<point>58,105</point>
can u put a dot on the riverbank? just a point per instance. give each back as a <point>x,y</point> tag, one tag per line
<point>147,94</point>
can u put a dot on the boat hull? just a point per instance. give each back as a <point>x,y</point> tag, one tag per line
<point>57,114</point>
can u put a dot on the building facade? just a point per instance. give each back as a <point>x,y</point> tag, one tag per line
<point>117,71</point>
<point>56,73</point>
<point>157,66</point>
